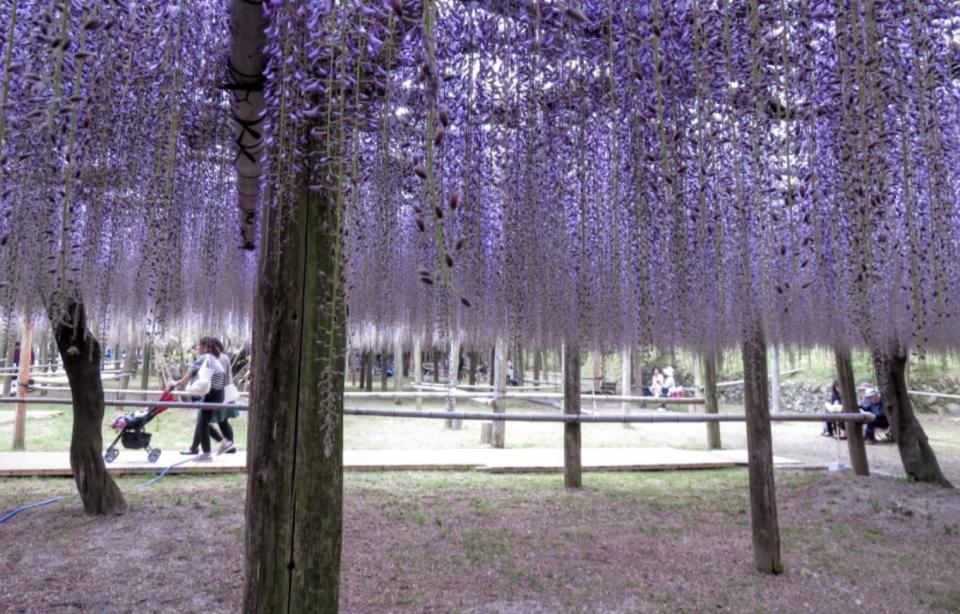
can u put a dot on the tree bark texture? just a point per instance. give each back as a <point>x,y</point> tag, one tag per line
<point>848,396</point>
<point>763,502</point>
<point>919,461</point>
<point>436,366</point>
<point>23,379</point>
<point>295,459</point>
<point>80,353</point>
<point>572,467</point>
<point>711,405</point>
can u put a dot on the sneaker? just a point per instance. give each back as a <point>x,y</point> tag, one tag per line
<point>203,458</point>
<point>232,450</point>
<point>189,452</point>
<point>225,446</point>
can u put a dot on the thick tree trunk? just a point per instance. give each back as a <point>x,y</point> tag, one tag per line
<point>493,366</point>
<point>572,468</point>
<point>848,396</point>
<point>919,461</point>
<point>295,459</point>
<point>763,502</point>
<point>712,405</point>
<point>498,433</point>
<point>80,352</point>
<point>129,364</point>
<point>23,379</point>
<point>436,366</point>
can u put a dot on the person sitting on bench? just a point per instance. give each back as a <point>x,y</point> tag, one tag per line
<point>872,404</point>
<point>834,406</point>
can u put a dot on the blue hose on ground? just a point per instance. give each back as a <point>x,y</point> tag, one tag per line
<point>29,506</point>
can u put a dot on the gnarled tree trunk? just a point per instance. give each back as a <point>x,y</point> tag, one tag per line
<point>919,461</point>
<point>80,353</point>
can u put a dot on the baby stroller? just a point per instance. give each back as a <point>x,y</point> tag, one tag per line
<point>132,434</point>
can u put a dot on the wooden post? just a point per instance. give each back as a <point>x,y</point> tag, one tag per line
<point>352,367</point>
<point>499,428</point>
<point>368,366</point>
<point>397,367</point>
<point>625,372</point>
<point>572,468</point>
<point>294,502</point>
<point>518,372</point>
<point>436,366</point>
<point>537,367</point>
<point>490,371</point>
<point>362,367</point>
<point>384,358</point>
<point>128,365</point>
<point>763,502</point>
<point>472,372</point>
<point>453,379</point>
<point>418,368</point>
<point>848,396</point>
<point>23,379</point>
<point>145,373</point>
<point>775,378</point>
<point>8,378</point>
<point>712,406</point>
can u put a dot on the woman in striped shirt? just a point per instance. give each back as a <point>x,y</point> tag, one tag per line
<point>207,353</point>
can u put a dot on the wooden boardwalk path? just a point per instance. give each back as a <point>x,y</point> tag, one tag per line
<point>510,460</point>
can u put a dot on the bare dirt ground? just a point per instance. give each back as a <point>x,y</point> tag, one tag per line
<point>454,542</point>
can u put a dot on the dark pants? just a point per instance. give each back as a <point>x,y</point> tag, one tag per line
<point>879,422</point>
<point>831,426</point>
<point>214,434</point>
<point>203,423</point>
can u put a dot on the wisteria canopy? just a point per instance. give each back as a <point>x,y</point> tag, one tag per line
<point>610,173</point>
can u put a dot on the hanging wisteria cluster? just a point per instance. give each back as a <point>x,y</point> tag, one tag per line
<point>612,173</point>
<point>116,177</point>
<point>657,172</point>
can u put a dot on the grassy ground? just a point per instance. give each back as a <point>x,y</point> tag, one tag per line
<point>473,542</point>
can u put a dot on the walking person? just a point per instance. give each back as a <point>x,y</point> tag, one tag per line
<point>206,366</point>
<point>221,417</point>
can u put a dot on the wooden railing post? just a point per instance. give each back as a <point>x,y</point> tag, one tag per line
<point>763,501</point>
<point>572,468</point>
<point>848,396</point>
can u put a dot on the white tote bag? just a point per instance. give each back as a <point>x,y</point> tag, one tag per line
<point>201,385</point>
<point>230,393</point>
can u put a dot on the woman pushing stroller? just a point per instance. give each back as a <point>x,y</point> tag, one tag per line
<point>207,372</point>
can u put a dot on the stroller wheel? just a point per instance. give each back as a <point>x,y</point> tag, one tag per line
<point>111,455</point>
<point>153,455</point>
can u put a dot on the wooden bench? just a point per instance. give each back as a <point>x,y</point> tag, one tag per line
<point>608,388</point>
